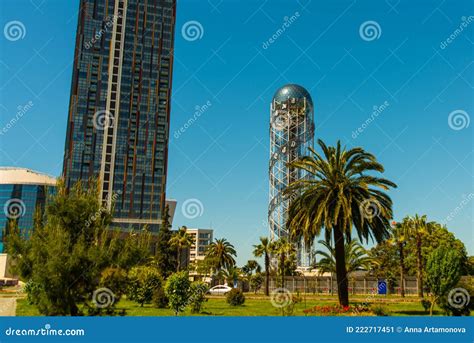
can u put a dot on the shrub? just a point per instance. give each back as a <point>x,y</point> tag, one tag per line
<point>143,282</point>
<point>235,297</point>
<point>31,289</point>
<point>177,291</point>
<point>380,311</point>
<point>197,297</point>
<point>160,300</point>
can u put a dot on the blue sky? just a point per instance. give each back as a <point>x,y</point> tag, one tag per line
<point>222,158</point>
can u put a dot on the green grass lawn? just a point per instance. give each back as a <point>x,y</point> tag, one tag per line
<point>258,306</point>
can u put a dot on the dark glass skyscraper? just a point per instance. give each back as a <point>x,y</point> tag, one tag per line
<point>119,110</point>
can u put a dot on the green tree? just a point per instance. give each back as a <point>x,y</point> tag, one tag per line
<point>165,256</point>
<point>144,281</point>
<point>177,290</point>
<point>443,272</point>
<point>67,255</point>
<point>399,240</point>
<point>230,275</point>
<point>180,241</point>
<point>417,228</point>
<point>264,249</point>
<point>256,282</point>
<point>250,267</point>
<point>388,254</point>
<point>355,256</point>
<point>283,249</point>
<point>222,252</point>
<point>340,192</point>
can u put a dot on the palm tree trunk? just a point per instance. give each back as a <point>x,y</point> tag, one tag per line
<point>267,274</point>
<point>341,271</point>
<point>282,261</point>
<point>402,270</point>
<point>179,259</point>
<point>420,267</point>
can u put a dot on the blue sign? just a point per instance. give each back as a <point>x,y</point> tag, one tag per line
<point>382,287</point>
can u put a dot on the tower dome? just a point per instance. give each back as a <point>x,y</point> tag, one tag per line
<point>293,91</point>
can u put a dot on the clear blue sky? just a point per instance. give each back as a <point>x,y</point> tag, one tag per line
<point>222,159</point>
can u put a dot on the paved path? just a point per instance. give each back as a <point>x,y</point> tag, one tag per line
<point>7,307</point>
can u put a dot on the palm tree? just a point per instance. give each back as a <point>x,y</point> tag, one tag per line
<point>355,256</point>
<point>181,240</point>
<point>223,252</point>
<point>249,267</point>
<point>417,227</point>
<point>264,249</point>
<point>339,194</point>
<point>230,274</point>
<point>398,239</point>
<point>283,248</point>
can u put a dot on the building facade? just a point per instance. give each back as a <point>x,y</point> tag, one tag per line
<point>119,111</point>
<point>202,238</point>
<point>291,134</point>
<point>23,192</point>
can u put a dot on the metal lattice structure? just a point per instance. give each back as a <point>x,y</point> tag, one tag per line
<point>291,134</point>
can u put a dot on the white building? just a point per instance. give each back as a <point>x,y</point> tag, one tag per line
<point>202,238</point>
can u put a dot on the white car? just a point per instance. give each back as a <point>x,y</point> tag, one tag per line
<point>219,290</point>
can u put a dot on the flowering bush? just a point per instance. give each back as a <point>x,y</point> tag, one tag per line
<point>328,310</point>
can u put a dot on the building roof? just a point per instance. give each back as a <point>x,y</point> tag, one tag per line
<point>24,176</point>
<point>292,91</point>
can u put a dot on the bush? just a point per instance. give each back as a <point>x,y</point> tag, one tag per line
<point>160,300</point>
<point>143,282</point>
<point>197,297</point>
<point>177,291</point>
<point>380,311</point>
<point>235,297</point>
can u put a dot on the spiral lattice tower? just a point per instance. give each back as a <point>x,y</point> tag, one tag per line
<point>291,134</point>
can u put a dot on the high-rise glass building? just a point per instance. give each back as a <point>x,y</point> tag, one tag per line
<point>291,134</point>
<point>22,193</point>
<point>119,111</point>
